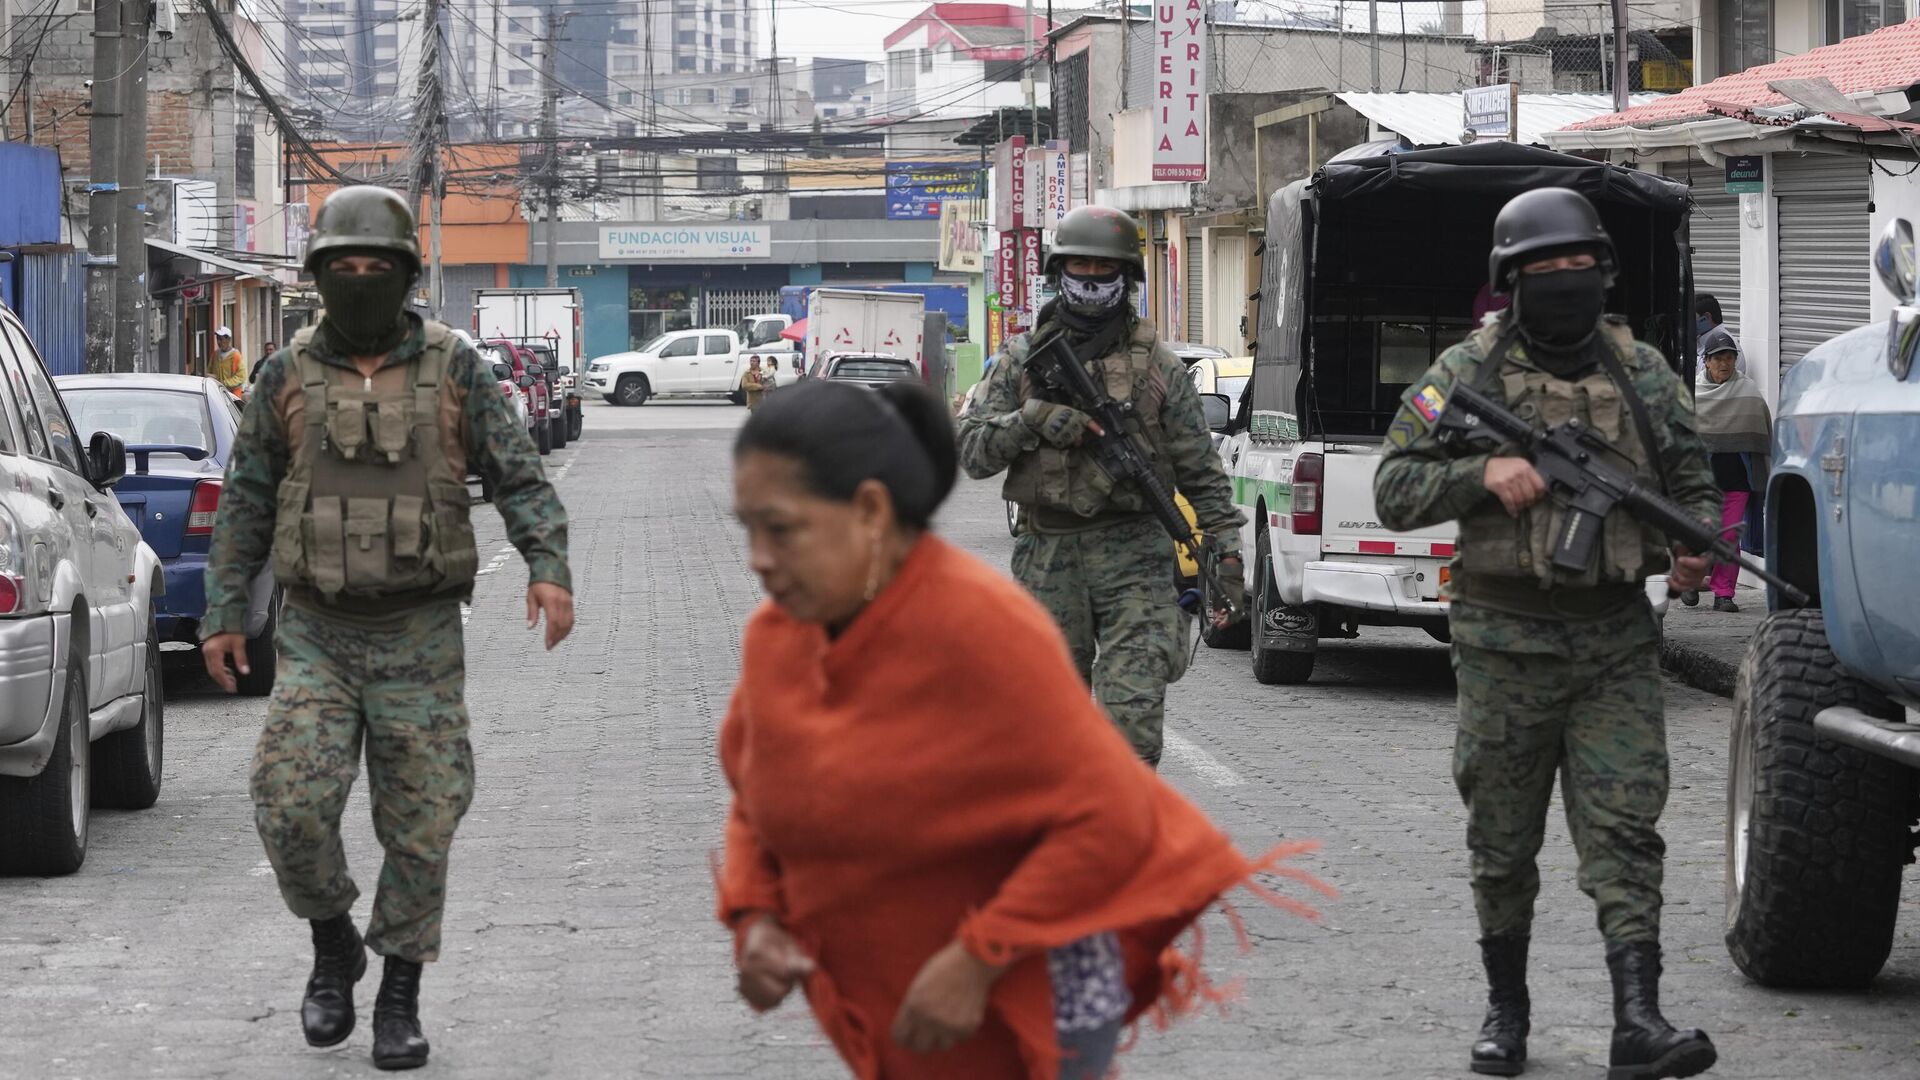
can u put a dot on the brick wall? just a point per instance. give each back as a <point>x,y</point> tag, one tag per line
<point>171,118</point>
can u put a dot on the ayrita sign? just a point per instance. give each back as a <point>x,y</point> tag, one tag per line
<point>1180,90</point>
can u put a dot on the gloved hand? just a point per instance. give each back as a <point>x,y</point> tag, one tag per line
<point>1060,425</point>
<point>1233,590</point>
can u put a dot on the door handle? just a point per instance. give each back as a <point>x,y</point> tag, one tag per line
<point>55,499</point>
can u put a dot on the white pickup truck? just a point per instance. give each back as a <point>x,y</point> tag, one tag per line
<point>679,363</point>
<point>1347,322</point>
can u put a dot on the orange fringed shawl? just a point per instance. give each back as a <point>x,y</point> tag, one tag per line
<point>941,770</point>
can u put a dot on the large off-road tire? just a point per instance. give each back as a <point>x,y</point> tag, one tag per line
<point>44,818</point>
<point>1817,832</point>
<point>127,765</point>
<point>576,424</point>
<point>557,431</point>
<point>543,437</point>
<point>263,654</point>
<point>1237,636</point>
<point>631,390</point>
<point>1272,667</point>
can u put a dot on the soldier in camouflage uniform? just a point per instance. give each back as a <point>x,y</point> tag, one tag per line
<point>349,471</point>
<point>1557,671</point>
<point>1089,549</point>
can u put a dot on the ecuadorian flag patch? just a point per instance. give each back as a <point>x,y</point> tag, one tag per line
<point>1429,403</point>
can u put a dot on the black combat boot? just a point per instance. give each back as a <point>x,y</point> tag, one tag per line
<point>1645,1046</point>
<point>1502,1047</point>
<point>339,959</point>
<point>397,1042</point>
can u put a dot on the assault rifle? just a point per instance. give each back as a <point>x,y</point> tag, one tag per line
<point>1053,364</point>
<point>1573,460</point>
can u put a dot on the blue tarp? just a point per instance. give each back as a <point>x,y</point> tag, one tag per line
<point>30,213</point>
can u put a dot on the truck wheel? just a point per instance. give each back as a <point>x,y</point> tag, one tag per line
<point>1816,831</point>
<point>126,764</point>
<point>263,654</point>
<point>44,818</point>
<point>576,423</point>
<point>1273,666</point>
<point>1237,636</point>
<point>632,390</point>
<point>543,437</point>
<point>559,432</point>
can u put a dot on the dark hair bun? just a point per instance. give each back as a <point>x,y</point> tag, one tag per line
<point>843,435</point>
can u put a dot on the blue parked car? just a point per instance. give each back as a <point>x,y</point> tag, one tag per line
<point>179,430</point>
<point>1826,730</point>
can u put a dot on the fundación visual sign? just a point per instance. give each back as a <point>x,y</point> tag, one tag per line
<point>648,243</point>
<point>1180,90</point>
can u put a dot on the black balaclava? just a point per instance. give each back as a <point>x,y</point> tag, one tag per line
<point>1088,303</point>
<point>1558,313</point>
<point>365,313</point>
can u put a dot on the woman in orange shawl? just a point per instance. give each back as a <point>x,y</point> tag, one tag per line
<point>935,830</point>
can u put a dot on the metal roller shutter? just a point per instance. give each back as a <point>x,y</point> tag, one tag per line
<point>1194,328</point>
<point>1825,241</point>
<point>1713,229</point>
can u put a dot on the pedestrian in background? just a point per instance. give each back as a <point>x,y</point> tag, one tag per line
<point>1090,550</point>
<point>1558,671</point>
<point>753,384</point>
<point>1708,317</point>
<point>229,367</point>
<point>935,830</point>
<point>1736,427</point>
<point>368,426</point>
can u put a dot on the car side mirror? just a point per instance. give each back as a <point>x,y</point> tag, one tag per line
<point>1219,410</point>
<point>1893,261</point>
<point>524,381</point>
<point>536,370</point>
<point>106,459</point>
<point>565,370</point>
<point>502,372</point>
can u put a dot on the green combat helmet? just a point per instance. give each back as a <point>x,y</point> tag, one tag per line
<point>363,217</point>
<point>1098,232</point>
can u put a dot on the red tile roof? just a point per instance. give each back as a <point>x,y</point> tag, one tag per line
<point>1887,59</point>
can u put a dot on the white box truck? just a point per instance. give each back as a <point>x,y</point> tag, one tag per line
<point>841,321</point>
<point>546,321</point>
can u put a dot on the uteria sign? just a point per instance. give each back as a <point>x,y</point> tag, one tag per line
<point>648,243</point>
<point>1180,90</point>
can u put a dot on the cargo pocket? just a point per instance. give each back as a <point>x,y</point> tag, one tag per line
<point>392,429</point>
<point>347,428</point>
<point>1089,486</point>
<point>289,537</point>
<point>450,548</point>
<point>368,554</point>
<point>325,529</point>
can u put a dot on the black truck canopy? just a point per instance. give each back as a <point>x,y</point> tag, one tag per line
<point>1373,266</point>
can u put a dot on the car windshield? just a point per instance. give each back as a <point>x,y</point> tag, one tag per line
<point>143,416</point>
<point>653,344</point>
<point>1230,385</point>
<point>871,368</point>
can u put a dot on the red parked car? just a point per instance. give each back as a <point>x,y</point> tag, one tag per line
<point>532,378</point>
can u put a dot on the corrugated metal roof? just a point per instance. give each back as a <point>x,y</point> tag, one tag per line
<point>1438,119</point>
<point>1887,59</point>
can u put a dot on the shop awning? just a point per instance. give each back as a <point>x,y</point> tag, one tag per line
<point>263,271</point>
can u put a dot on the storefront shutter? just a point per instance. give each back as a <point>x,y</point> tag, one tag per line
<point>1825,243</point>
<point>1194,328</point>
<point>1714,232</point>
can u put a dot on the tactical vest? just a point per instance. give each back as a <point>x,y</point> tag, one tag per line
<point>373,508</point>
<point>1072,481</point>
<point>1495,545</point>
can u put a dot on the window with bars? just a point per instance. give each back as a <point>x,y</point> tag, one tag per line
<point>243,152</point>
<point>1070,101</point>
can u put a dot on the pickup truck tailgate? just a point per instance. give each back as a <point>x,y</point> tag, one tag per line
<point>1349,524</point>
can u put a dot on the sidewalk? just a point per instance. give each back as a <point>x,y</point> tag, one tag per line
<point>1704,647</point>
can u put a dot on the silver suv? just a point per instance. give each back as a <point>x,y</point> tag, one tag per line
<point>80,694</point>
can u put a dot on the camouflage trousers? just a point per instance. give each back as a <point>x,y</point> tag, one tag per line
<point>399,693</point>
<point>1111,591</point>
<point>1581,700</point>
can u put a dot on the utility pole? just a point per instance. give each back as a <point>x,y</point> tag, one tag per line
<point>103,194</point>
<point>550,135</point>
<point>133,300</point>
<point>1026,78</point>
<point>1373,39</point>
<point>1621,85</point>
<point>430,114</point>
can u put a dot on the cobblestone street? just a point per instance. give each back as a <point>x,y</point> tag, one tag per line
<point>580,939</point>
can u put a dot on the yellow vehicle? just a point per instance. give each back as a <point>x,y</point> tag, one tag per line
<point>1221,375</point>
